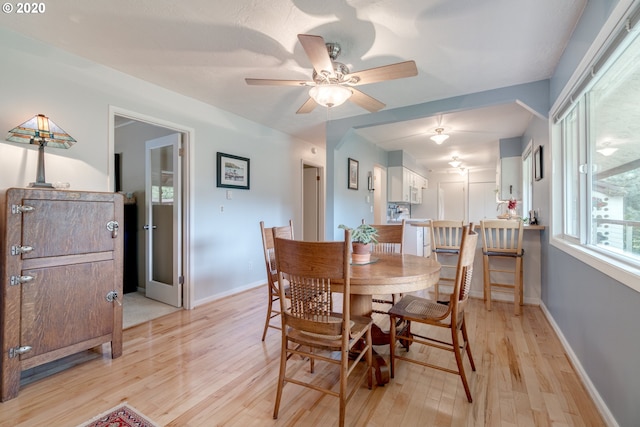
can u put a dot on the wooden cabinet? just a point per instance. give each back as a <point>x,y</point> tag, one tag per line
<point>404,185</point>
<point>61,263</point>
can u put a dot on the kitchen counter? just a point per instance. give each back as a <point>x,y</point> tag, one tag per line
<point>428,223</point>
<point>532,265</point>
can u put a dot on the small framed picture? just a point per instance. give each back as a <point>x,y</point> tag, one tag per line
<point>232,171</point>
<point>537,163</point>
<point>353,172</point>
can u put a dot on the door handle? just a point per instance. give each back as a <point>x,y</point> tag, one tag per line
<point>153,227</point>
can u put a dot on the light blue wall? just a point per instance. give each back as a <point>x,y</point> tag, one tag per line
<point>511,147</point>
<point>599,318</point>
<point>351,206</point>
<point>593,18</point>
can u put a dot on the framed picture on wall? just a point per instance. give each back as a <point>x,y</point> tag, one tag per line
<point>232,171</point>
<point>353,172</point>
<point>537,163</point>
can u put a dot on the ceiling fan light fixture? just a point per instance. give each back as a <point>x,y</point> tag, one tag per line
<point>440,137</point>
<point>330,95</point>
<point>455,162</point>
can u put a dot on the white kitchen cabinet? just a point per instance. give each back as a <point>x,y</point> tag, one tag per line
<point>404,185</point>
<point>509,178</point>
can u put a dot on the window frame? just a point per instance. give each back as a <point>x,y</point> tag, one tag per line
<point>579,246</point>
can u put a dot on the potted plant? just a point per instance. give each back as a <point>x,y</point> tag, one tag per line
<point>362,237</point>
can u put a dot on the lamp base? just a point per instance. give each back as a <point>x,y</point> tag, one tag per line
<point>41,185</point>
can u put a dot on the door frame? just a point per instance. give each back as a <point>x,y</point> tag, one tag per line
<point>187,200</point>
<point>321,196</point>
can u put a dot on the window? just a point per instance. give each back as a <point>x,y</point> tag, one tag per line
<point>600,164</point>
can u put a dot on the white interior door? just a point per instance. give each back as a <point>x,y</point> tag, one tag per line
<point>311,203</point>
<point>451,201</point>
<point>163,210</point>
<point>482,201</point>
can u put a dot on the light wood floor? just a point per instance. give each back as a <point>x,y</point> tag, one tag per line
<point>208,367</point>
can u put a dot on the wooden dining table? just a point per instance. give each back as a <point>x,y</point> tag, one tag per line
<point>388,273</point>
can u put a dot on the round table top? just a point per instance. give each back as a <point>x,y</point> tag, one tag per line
<point>394,273</point>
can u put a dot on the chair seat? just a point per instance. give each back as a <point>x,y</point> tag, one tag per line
<point>420,309</point>
<point>359,326</point>
<point>509,254</point>
<point>446,251</point>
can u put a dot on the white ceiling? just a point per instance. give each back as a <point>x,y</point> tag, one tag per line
<point>205,48</point>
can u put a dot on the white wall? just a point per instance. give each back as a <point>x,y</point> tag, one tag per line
<point>226,254</point>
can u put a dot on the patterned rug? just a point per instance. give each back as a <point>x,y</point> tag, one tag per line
<point>122,415</point>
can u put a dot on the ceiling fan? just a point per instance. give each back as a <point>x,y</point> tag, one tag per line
<point>332,83</point>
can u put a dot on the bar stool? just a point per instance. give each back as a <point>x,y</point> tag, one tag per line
<point>445,245</point>
<point>502,245</point>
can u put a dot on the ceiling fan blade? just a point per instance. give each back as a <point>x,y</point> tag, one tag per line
<point>386,72</point>
<point>316,50</point>
<point>365,101</point>
<point>276,82</point>
<point>307,107</point>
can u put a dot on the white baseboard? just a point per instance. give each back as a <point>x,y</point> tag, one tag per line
<point>229,292</point>
<point>497,295</point>
<point>593,392</point>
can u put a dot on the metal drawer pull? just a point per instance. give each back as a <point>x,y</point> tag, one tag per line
<point>17,249</point>
<point>18,280</point>
<point>17,351</point>
<point>113,296</point>
<point>113,227</point>
<point>16,209</point>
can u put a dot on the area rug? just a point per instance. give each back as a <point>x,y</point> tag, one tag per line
<point>122,415</point>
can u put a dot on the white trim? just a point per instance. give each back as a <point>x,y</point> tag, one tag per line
<point>230,292</point>
<point>188,205</point>
<point>586,381</point>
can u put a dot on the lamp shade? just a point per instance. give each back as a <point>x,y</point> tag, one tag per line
<point>40,128</point>
<point>440,137</point>
<point>455,162</point>
<point>330,95</point>
<point>43,132</point>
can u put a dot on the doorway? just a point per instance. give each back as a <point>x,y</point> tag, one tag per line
<point>129,132</point>
<point>312,202</point>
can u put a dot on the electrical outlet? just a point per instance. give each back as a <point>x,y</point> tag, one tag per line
<point>250,266</point>
<point>221,208</point>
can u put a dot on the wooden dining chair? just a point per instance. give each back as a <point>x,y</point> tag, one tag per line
<point>446,236</point>
<point>273,306</point>
<point>310,328</point>
<point>502,255</point>
<point>426,314</point>
<point>390,239</point>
